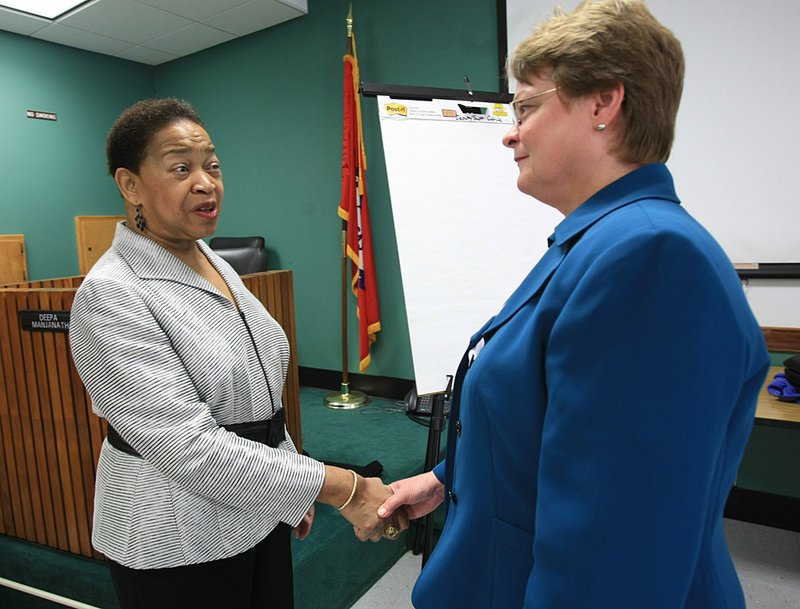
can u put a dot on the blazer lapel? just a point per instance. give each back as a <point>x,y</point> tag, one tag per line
<point>151,261</point>
<point>527,290</point>
<point>648,182</point>
<point>529,287</point>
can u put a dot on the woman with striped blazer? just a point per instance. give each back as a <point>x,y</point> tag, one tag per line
<point>198,484</point>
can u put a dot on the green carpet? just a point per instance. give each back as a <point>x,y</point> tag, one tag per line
<point>54,571</point>
<point>332,568</point>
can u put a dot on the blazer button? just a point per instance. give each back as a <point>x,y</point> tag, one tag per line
<point>453,497</point>
<point>458,428</point>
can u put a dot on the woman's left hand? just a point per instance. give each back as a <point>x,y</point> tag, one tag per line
<point>302,530</point>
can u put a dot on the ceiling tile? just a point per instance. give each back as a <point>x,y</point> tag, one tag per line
<point>62,34</point>
<point>197,10</point>
<point>189,39</point>
<point>154,31</point>
<point>124,20</point>
<point>12,21</point>
<point>301,5</point>
<point>145,55</point>
<point>253,16</point>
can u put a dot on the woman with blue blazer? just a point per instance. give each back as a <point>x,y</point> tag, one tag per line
<point>598,420</point>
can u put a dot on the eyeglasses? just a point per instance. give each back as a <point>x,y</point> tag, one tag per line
<point>519,112</point>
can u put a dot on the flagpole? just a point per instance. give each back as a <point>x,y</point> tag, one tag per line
<point>345,399</point>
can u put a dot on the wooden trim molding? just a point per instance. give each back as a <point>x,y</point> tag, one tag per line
<point>782,339</point>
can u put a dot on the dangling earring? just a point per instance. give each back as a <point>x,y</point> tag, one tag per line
<point>601,127</point>
<point>141,223</point>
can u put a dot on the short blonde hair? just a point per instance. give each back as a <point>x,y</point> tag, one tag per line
<point>601,44</point>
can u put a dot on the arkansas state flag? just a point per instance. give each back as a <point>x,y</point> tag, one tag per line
<point>353,209</point>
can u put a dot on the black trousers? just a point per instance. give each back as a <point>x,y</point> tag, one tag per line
<point>260,578</point>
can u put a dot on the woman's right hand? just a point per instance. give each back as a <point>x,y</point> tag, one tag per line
<point>418,495</point>
<point>361,510</point>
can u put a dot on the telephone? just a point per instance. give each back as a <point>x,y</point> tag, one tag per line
<point>422,405</point>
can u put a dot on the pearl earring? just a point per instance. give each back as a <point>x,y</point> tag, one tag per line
<point>601,127</point>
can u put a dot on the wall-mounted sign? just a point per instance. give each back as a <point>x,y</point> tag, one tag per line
<point>44,321</point>
<point>45,116</point>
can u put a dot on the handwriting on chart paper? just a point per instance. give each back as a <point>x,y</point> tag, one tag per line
<point>483,118</point>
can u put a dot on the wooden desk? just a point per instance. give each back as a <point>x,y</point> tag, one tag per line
<point>771,411</point>
<point>750,502</point>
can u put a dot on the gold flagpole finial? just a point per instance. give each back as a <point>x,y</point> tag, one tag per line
<point>350,21</point>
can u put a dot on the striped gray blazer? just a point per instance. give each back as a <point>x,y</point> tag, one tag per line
<point>167,359</point>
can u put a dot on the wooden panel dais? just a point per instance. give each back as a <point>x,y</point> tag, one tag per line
<point>13,261</point>
<point>94,234</point>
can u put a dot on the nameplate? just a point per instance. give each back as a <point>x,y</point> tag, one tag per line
<point>44,321</point>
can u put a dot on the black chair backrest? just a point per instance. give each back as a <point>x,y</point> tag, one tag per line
<point>222,243</point>
<point>245,254</point>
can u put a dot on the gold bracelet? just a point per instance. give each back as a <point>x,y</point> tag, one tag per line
<point>352,492</point>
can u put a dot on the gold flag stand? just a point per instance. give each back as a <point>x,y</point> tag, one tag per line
<point>345,399</point>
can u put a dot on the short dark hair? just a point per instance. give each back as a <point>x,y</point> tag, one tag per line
<point>131,133</point>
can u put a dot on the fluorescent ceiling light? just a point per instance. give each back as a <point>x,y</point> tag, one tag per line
<point>50,9</point>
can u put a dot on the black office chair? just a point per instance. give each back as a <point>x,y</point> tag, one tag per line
<point>245,254</point>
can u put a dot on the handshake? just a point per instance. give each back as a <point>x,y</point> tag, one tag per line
<point>374,509</point>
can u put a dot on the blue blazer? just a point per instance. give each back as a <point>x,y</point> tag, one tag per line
<point>599,419</point>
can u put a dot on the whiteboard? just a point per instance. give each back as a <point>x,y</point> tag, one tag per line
<point>466,237</point>
<point>735,152</point>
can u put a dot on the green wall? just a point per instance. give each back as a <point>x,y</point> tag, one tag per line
<point>273,104</point>
<point>51,172</point>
